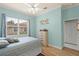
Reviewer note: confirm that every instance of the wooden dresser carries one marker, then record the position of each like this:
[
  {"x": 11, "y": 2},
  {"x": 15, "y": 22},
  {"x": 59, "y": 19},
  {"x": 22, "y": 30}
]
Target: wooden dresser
[{"x": 44, "y": 37}]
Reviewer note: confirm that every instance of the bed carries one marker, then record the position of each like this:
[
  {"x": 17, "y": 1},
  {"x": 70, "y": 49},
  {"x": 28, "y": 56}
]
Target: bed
[{"x": 27, "y": 46}]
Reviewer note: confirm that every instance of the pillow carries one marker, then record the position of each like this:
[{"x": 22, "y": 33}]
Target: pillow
[
  {"x": 3, "y": 43},
  {"x": 16, "y": 40},
  {"x": 10, "y": 40}
]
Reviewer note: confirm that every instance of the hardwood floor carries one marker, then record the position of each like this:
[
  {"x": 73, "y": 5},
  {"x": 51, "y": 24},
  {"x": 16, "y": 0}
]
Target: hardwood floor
[{"x": 51, "y": 51}]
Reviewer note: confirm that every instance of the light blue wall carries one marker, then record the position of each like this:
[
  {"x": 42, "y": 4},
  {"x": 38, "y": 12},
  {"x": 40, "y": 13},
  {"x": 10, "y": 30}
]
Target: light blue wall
[
  {"x": 71, "y": 13},
  {"x": 19, "y": 15},
  {"x": 54, "y": 27}
]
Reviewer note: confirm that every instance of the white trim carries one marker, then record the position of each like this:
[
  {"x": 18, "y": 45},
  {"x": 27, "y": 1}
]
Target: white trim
[
  {"x": 74, "y": 18},
  {"x": 71, "y": 46},
  {"x": 55, "y": 46},
  {"x": 18, "y": 29},
  {"x": 28, "y": 29}
]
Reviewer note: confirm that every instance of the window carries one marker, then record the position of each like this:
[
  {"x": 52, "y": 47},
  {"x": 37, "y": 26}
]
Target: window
[{"x": 17, "y": 27}]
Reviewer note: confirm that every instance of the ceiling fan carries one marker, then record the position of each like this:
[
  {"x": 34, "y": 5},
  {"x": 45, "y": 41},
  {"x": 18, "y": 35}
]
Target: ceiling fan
[{"x": 33, "y": 7}]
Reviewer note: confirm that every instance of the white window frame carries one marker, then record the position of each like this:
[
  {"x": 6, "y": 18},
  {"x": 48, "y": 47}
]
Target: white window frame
[{"x": 18, "y": 34}]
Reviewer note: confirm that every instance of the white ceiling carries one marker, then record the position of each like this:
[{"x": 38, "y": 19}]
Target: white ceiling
[{"x": 21, "y": 7}]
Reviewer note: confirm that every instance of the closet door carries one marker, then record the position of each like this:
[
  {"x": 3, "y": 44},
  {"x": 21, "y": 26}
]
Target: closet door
[
  {"x": 73, "y": 32},
  {"x": 70, "y": 32}
]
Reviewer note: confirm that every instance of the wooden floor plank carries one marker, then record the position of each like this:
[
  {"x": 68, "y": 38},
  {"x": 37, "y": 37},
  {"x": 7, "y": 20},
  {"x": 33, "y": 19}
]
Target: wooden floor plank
[{"x": 51, "y": 51}]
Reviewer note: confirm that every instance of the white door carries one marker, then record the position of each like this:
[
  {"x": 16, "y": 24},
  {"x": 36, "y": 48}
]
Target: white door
[{"x": 70, "y": 34}]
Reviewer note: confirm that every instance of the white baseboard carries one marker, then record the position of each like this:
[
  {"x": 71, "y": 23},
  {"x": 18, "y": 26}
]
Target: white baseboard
[
  {"x": 71, "y": 46},
  {"x": 55, "y": 46}
]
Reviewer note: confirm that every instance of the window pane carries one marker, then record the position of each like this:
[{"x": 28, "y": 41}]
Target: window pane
[
  {"x": 22, "y": 30},
  {"x": 23, "y": 23},
  {"x": 22, "y": 27},
  {"x": 12, "y": 30},
  {"x": 12, "y": 21},
  {"x": 12, "y": 26}
]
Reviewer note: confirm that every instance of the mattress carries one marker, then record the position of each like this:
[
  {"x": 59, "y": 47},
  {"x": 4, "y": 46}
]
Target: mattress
[{"x": 25, "y": 46}]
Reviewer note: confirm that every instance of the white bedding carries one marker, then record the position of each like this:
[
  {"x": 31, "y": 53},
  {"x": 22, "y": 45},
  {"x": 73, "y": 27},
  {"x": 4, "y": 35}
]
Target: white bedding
[
  {"x": 22, "y": 40},
  {"x": 27, "y": 46}
]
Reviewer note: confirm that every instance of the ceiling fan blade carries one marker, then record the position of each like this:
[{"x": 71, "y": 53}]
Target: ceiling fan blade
[
  {"x": 28, "y": 5},
  {"x": 32, "y": 10},
  {"x": 37, "y": 10},
  {"x": 32, "y": 5},
  {"x": 36, "y": 5}
]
